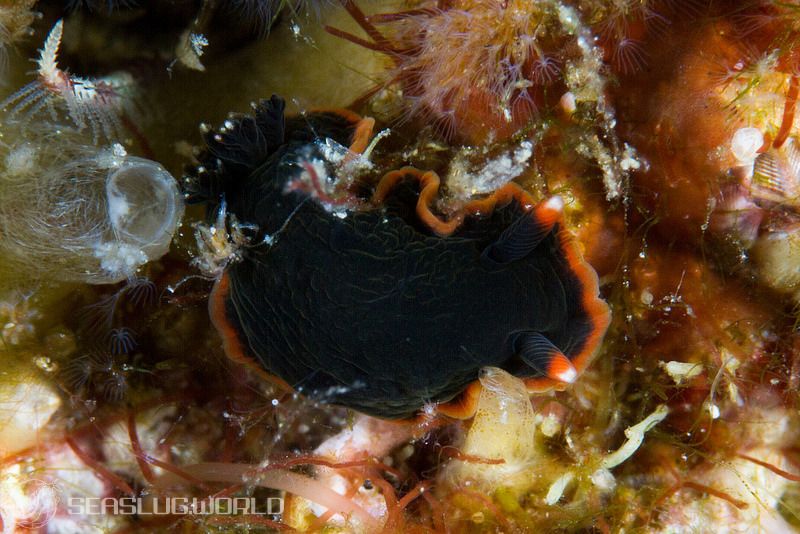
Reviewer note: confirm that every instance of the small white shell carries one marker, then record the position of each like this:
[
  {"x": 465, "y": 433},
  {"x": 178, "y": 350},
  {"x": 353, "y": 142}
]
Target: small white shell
[{"x": 745, "y": 144}]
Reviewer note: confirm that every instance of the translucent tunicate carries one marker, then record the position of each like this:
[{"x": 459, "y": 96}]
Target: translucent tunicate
[
  {"x": 73, "y": 212},
  {"x": 502, "y": 433}
]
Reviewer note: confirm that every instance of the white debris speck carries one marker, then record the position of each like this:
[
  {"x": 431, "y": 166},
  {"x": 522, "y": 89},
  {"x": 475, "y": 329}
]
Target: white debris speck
[
  {"x": 713, "y": 410},
  {"x": 465, "y": 181},
  {"x": 630, "y": 161},
  {"x": 550, "y": 425},
  {"x": 111, "y": 157},
  {"x": 21, "y": 160},
  {"x": 119, "y": 150},
  {"x": 603, "y": 479},
  {"x": 557, "y": 488},
  {"x": 567, "y": 103},
  {"x": 587, "y": 84},
  {"x": 681, "y": 371},
  {"x": 331, "y": 150},
  {"x": 198, "y": 42},
  {"x": 646, "y": 297},
  {"x": 119, "y": 258},
  {"x": 190, "y": 48},
  {"x": 568, "y": 18}
]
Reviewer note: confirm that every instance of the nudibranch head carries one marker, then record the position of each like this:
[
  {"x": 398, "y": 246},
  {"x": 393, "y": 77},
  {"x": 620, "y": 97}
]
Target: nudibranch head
[{"x": 375, "y": 301}]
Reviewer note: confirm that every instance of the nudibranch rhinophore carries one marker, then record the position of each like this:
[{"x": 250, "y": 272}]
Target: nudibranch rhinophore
[{"x": 377, "y": 302}]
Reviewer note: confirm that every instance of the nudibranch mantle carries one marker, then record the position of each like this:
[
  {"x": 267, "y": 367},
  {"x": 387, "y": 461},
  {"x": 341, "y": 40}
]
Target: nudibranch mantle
[{"x": 390, "y": 307}]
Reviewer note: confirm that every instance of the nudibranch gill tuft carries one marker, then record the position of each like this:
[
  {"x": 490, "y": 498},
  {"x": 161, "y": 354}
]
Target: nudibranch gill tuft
[{"x": 377, "y": 302}]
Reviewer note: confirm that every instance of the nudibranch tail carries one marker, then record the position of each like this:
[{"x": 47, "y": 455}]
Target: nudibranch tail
[{"x": 540, "y": 353}]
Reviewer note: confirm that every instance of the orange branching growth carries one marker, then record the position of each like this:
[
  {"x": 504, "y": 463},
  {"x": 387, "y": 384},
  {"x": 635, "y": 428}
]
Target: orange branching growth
[
  {"x": 452, "y": 452},
  {"x": 702, "y": 489},
  {"x": 100, "y": 469},
  {"x": 136, "y": 445},
  {"x": 438, "y": 517},
  {"x": 788, "y": 112},
  {"x": 715, "y": 492},
  {"x": 780, "y": 472},
  {"x": 394, "y": 521}
]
